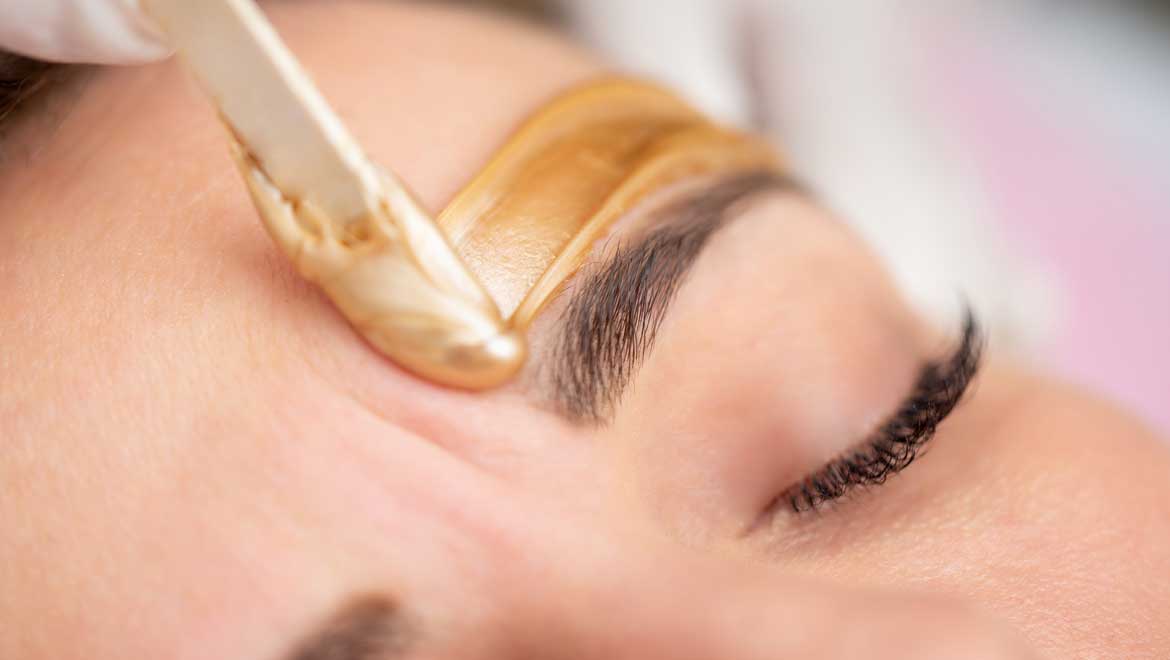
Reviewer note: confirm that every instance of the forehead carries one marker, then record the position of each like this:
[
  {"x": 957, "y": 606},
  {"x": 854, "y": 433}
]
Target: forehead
[
  {"x": 429, "y": 91},
  {"x": 139, "y": 158}
]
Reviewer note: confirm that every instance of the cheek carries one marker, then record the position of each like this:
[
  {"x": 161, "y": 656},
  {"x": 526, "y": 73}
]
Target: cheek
[
  {"x": 765, "y": 368},
  {"x": 1047, "y": 509}
]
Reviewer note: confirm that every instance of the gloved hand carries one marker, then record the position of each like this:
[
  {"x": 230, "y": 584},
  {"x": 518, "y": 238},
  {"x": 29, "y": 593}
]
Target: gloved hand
[{"x": 90, "y": 31}]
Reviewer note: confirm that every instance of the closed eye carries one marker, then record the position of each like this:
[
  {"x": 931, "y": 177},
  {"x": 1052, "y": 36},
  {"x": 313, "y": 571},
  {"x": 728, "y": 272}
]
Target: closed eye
[{"x": 894, "y": 445}]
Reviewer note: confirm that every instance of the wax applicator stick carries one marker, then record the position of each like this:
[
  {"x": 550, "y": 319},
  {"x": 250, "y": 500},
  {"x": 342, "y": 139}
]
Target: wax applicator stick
[{"x": 349, "y": 226}]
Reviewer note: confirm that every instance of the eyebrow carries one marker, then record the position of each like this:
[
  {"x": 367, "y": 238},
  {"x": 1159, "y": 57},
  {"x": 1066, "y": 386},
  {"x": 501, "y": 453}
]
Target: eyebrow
[
  {"x": 617, "y": 305},
  {"x": 368, "y": 628}
]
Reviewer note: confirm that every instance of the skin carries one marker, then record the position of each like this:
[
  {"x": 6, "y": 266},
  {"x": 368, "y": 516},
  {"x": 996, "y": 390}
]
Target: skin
[{"x": 202, "y": 460}]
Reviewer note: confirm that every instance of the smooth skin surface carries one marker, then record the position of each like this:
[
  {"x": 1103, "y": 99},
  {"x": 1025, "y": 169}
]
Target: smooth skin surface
[{"x": 200, "y": 459}]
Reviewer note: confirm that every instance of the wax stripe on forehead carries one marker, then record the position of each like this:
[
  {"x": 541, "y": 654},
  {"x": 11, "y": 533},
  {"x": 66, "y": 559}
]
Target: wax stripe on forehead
[{"x": 530, "y": 218}]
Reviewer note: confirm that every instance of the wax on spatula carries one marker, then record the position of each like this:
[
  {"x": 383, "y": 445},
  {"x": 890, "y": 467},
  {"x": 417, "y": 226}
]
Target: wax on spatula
[
  {"x": 349, "y": 226},
  {"x": 449, "y": 299}
]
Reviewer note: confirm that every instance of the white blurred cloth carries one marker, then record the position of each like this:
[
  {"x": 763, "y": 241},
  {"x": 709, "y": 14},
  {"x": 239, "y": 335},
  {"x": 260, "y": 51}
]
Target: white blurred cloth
[
  {"x": 828, "y": 81},
  {"x": 1013, "y": 152},
  {"x": 90, "y": 31}
]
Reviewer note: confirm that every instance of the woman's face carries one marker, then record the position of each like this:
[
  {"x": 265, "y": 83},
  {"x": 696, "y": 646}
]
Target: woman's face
[{"x": 201, "y": 459}]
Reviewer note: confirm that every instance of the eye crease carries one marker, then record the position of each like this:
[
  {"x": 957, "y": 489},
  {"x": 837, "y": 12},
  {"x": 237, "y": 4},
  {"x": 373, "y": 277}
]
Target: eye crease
[{"x": 894, "y": 445}]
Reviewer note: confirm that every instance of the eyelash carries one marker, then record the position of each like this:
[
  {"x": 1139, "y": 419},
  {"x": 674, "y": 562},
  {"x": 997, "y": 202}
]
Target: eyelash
[{"x": 894, "y": 446}]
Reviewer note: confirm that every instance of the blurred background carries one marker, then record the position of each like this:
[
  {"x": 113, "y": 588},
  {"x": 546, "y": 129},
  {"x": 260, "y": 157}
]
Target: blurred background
[{"x": 1015, "y": 153}]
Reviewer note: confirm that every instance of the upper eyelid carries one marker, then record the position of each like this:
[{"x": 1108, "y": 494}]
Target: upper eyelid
[{"x": 940, "y": 388}]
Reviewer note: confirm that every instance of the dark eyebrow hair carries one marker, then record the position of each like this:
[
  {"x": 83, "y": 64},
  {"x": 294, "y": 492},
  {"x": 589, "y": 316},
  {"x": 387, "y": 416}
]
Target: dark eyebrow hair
[
  {"x": 368, "y": 628},
  {"x": 617, "y": 305}
]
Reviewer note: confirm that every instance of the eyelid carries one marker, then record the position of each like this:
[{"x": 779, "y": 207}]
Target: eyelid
[{"x": 894, "y": 445}]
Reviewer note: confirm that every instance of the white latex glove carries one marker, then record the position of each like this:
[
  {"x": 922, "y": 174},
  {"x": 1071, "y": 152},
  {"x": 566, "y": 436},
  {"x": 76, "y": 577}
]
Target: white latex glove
[{"x": 91, "y": 31}]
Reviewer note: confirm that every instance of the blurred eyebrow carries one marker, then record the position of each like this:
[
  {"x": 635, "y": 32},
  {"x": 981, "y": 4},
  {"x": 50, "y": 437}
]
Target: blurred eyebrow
[
  {"x": 617, "y": 306},
  {"x": 369, "y": 628}
]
